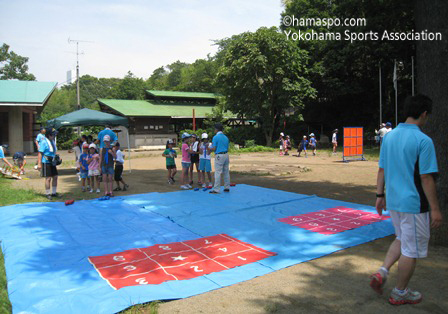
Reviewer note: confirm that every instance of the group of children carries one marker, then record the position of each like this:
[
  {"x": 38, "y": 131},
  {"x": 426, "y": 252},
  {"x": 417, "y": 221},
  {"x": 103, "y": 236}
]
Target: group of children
[
  {"x": 95, "y": 165},
  {"x": 285, "y": 145},
  {"x": 195, "y": 153}
]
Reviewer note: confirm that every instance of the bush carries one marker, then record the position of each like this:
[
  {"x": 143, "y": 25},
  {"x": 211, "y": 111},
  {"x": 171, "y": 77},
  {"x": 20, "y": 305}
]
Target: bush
[{"x": 250, "y": 143}]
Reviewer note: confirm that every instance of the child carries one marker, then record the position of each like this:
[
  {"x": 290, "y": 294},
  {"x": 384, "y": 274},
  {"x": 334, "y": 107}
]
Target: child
[
  {"x": 194, "y": 157},
  {"x": 119, "y": 161},
  {"x": 287, "y": 144},
  {"x": 205, "y": 163},
  {"x": 77, "y": 151},
  {"x": 302, "y": 146},
  {"x": 170, "y": 154},
  {"x": 93, "y": 160},
  {"x": 313, "y": 143},
  {"x": 84, "y": 168},
  {"x": 107, "y": 156},
  {"x": 19, "y": 159},
  {"x": 334, "y": 140},
  {"x": 186, "y": 161},
  {"x": 281, "y": 141}
]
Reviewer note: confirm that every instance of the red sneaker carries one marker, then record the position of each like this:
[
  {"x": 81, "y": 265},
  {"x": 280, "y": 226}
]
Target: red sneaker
[{"x": 377, "y": 282}]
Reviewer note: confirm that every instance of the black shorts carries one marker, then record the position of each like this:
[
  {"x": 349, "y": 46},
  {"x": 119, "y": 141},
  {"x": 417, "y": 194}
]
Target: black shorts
[
  {"x": 48, "y": 170},
  {"x": 171, "y": 167},
  {"x": 195, "y": 159},
  {"x": 118, "y": 172}
]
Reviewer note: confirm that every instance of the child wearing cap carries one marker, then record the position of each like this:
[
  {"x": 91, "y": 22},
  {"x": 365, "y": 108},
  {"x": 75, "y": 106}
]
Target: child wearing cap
[
  {"x": 313, "y": 143},
  {"x": 186, "y": 161},
  {"x": 194, "y": 157},
  {"x": 281, "y": 141},
  {"x": 205, "y": 162},
  {"x": 84, "y": 168},
  {"x": 302, "y": 146},
  {"x": 287, "y": 145},
  {"x": 170, "y": 154},
  {"x": 118, "y": 174},
  {"x": 93, "y": 160},
  {"x": 107, "y": 156}
]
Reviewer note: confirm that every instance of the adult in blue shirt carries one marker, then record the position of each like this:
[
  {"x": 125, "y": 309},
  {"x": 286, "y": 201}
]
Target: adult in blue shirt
[
  {"x": 2, "y": 155},
  {"x": 407, "y": 168},
  {"x": 47, "y": 152},
  {"x": 220, "y": 145},
  {"x": 103, "y": 133}
]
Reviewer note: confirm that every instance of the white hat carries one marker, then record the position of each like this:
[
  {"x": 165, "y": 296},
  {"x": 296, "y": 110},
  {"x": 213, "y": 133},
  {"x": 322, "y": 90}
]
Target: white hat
[
  {"x": 106, "y": 138},
  {"x": 312, "y": 134},
  {"x": 282, "y": 134},
  {"x": 204, "y": 135},
  {"x": 92, "y": 146},
  {"x": 304, "y": 136},
  {"x": 185, "y": 135}
]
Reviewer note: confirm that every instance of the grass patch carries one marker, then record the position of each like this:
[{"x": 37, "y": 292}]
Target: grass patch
[
  {"x": 252, "y": 173},
  {"x": 5, "y": 305},
  {"x": 253, "y": 149},
  {"x": 147, "y": 308},
  {"x": 10, "y": 195}
]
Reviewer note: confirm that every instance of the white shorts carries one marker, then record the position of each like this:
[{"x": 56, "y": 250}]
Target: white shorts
[
  {"x": 413, "y": 232},
  {"x": 93, "y": 173}
]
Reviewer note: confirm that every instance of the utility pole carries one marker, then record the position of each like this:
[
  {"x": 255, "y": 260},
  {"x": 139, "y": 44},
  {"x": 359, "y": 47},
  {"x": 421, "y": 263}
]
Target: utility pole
[{"x": 78, "y": 100}]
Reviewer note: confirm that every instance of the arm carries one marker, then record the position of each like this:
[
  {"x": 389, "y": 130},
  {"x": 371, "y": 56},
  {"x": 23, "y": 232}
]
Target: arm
[
  {"x": 429, "y": 187},
  {"x": 101, "y": 158},
  {"x": 23, "y": 165},
  {"x": 39, "y": 160},
  {"x": 380, "y": 201},
  {"x": 7, "y": 162}
]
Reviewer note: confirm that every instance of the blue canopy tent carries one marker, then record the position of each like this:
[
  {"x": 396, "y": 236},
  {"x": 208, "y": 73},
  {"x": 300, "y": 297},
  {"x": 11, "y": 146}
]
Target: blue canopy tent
[{"x": 89, "y": 117}]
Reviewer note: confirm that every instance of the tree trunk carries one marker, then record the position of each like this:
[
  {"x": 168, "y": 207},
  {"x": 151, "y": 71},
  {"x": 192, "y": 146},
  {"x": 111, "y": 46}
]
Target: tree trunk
[{"x": 432, "y": 80}]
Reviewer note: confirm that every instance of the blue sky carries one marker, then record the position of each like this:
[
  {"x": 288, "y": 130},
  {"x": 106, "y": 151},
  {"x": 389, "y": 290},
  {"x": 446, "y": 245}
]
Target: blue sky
[{"x": 131, "y": 35}]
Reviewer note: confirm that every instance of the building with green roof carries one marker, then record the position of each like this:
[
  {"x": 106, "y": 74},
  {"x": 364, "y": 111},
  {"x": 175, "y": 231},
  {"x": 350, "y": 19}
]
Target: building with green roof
[
  {"x": 20, "y": 102},
  {"x": 161, "y": 115}
]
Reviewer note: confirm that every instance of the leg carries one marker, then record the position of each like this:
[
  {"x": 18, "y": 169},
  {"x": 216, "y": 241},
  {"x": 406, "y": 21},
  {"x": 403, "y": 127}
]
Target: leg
[
  {"x": 218, "y": 170},
  {"x": 393, "y": 254},
  {"x": 105, "y": 183},
  {"x": 226, "y": 173},
  {"x": 406, "y": 267},
  {"x": 173, "y": 172},
  {"x": 54, "y": 185},
  {"x": 47, "y": 185}
]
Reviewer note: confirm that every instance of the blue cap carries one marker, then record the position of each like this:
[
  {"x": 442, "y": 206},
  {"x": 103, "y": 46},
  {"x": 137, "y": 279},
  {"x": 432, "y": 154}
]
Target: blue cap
[
  {"x": 388, "y": 124},
  {"x": 185, "y": 135}
]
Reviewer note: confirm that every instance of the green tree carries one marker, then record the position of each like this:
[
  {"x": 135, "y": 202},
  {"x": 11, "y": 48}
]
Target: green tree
[
  {"x": 130, "y": 87},
  {"x": 158, "y": 79},
  {"x": 13, "y": 66},
  {"x": 263, "y": 74},
  {"x": 175, "y": 74},
  {"x": 199, "y": 76}
]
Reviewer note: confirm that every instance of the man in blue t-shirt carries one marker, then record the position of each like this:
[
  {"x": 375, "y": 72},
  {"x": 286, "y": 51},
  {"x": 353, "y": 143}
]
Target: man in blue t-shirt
[
  {"x": 107, "y": 131},
  {"x": 407, "y": 168},
  {"x": 220, "y": 145}
]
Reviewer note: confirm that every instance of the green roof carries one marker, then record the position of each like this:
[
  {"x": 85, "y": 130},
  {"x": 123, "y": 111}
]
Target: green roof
[
  {"x": 144, "y": 108},
  {"x": 173, "y": 94},
  {"x": 26, "y": 92}
]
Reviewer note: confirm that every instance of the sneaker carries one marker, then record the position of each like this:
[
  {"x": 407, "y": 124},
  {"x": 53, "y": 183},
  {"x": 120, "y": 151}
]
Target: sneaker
[
  {"x": 203, "y": 185},
  {"x": 126, "y": 187},
  {"x": 83, "y": 189},
  {"x": 48, "y": 196},
  {"x": 188, "y": 186},
  {"x": 226, "y": 190},
  {"x": 172, "y": 178},
  {"x": 170, "y": 182},
  {"x": 408, "y": 297},
  {"x": 55, "y": 195},
  {"x": 213, "y": 192},
  {"x": 91, "y": 191},
  {"x": 377, "y": 282},
  {"x": 184, "y": 187},
  {"x": 98, "y": 191}
]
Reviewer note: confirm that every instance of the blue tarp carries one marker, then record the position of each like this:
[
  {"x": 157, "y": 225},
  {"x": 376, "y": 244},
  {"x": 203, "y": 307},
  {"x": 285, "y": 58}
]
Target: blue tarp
[{"x": 46, "y": 245}]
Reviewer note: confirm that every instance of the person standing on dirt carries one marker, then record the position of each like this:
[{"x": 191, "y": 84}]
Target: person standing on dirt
[
  {"x": 407, "y": 168},
  {"x": 220, "y": 145},
  {"x": 334, "y": 140},
  {"x": 47, "y": 163}
]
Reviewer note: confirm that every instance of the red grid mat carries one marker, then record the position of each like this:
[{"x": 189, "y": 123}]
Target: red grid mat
[
  {"x": 176, "y": 261},
  {"x": 333, "y": 220}
]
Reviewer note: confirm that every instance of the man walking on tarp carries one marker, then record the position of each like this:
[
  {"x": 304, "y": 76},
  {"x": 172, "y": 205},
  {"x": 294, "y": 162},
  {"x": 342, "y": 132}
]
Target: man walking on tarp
[
  {"x": 407, "y": 168},
  {"x": 220, "y": 145}
]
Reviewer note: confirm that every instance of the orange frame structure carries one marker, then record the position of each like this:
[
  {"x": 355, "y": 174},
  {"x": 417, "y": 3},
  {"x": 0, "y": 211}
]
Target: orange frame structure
[{"x": 353, "y": 144}]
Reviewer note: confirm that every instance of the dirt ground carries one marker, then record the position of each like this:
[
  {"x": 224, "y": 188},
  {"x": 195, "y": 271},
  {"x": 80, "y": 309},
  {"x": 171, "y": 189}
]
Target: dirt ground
[{"x": 337, "y": 283}]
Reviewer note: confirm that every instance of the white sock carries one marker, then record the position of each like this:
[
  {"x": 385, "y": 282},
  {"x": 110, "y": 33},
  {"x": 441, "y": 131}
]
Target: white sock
[
  {"x": 47, "y": 191},
  {"x": 384, "y": 271},
  {"x": 53, "y": 188}
]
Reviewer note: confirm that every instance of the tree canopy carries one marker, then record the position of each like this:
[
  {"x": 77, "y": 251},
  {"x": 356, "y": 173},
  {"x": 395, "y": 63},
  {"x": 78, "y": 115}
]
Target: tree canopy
[
  {"x": 13, "y": 66},
  {"x": 262, "y": 75}
]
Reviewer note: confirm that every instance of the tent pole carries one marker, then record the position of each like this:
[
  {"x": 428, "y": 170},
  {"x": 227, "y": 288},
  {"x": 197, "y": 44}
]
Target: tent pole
[{"x": 129, "y": 152}]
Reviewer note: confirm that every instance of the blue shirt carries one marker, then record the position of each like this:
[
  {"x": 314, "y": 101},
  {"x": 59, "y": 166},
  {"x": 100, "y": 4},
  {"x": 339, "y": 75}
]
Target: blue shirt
[
  {"x": 83, "y": 161},
  {"x": 407, "y": 153},
  {"x": 44, "y": 148},
  {"x": 2, "y": 154},
  {"x": 39, "y": 138},
  {"x": 221, "y": 143},
  {"x": 313, "y": 141},
  {"x": 113, "y": 136}
]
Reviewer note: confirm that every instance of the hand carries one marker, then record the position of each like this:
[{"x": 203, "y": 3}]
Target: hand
[
  {"x": 39, "y": 166},
  {"x": 380, "y": 205},
  {"x": 436, "y": 218}
]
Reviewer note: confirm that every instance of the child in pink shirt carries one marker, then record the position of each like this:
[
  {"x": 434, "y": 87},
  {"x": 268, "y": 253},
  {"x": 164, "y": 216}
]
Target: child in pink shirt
[
  {"x": 93, "y": 160},
  {"x": 186, "y": 160}
]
